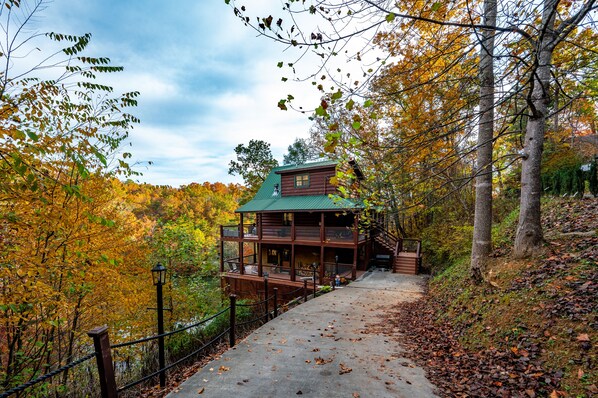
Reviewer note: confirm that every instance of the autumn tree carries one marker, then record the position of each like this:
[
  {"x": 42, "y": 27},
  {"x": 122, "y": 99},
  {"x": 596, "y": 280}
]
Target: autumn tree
[
  {"x": 64, "y": 230},
  {"x": 482, "y": 227},
  {"x": 527, "y": 33}
]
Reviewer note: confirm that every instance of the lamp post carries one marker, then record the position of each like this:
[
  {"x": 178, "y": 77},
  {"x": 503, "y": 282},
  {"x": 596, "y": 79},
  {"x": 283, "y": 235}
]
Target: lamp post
[{"x": 159, "y": 278}]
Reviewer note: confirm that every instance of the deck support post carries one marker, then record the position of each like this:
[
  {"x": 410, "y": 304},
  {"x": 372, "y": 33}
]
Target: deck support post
[
  {"x": 259, "y": 260},
  {"x": 321, "y": 265},
  {"x": 275, "y": 302},
  {"x": 354, "y": 267},
  {"x": 293, "y": 276}
]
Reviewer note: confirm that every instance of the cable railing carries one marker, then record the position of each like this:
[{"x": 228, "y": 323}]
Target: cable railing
[
  {"x": 241, "y": 316},
  {"x": 47, "y": 376}
]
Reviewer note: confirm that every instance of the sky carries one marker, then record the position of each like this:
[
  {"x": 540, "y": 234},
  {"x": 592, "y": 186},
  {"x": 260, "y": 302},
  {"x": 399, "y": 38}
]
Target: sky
[{"x": 207, "y": 82}]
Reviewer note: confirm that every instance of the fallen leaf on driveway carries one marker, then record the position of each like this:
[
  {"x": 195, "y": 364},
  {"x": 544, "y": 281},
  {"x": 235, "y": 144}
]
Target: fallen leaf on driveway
[
  {"x": 322, "y": 361},
  {"x": 344, "y": 369}
]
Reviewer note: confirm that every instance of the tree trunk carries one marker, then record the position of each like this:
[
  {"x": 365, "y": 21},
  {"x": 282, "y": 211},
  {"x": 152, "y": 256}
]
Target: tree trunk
[
  {"x": 482, "y": 226},
  {"x": 529, "y": 237}
]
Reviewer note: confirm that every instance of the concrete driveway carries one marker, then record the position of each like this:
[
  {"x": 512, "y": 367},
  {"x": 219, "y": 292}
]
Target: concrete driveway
[{"x": 326, "y": 347}]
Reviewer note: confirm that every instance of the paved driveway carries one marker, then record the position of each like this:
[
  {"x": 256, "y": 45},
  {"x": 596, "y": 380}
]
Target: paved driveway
[{"x": 326, "y": 347}]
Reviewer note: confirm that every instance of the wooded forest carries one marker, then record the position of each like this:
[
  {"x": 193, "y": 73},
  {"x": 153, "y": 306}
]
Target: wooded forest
[{"x": 459, "y": 113}]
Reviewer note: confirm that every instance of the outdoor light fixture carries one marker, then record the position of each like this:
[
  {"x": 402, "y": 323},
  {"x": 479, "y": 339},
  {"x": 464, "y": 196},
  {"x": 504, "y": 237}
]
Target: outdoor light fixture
[
  {"x": 159, "y": 278},
  {"x": 159, "y": 274},
  {"x": 276, "y": 191}
]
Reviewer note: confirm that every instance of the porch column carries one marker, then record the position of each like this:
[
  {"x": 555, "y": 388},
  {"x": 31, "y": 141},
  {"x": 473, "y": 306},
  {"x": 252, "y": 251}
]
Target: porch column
[
  {"x": 241, "y": 226},
  {"x": 293, "y": 262},
  {"x": 322, "y": 232},
  {"x": 354, "y": 269},
  {"x": 355, "y": 229},
  {"x": 259, "y": 259},
  {"x": 321, "y": 264},
  {"x": 241, "y": 265},
  {"x": 221, "y": 249},
  {"x": 293, "y": 228}
]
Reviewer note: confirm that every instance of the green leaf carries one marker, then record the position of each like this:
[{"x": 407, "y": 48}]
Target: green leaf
[
  {"x": 280, "y": 64},
  {"x": 390, "y": 17},
  {"x": 356, "y": 125},
  {"x": 281, "y": 105},
  {"x": 349, "y": 105},
  {"x": 367, "y": 104},
  {"x": 320, "y": 111},
  {"x": 337, "y": 95},
  {"x": 436, "y": 6},
  {"x": 33, "y": 136},
  {"x": 226, "y": 1}
]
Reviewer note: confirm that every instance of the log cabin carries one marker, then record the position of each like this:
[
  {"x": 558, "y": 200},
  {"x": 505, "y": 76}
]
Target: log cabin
[{"x": 296, "y": 228}]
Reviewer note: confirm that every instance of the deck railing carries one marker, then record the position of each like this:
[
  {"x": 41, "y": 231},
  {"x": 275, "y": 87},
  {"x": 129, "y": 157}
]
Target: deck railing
[
  {"x": 276, "y": 232},
  {"x": 303, "y": 233}
]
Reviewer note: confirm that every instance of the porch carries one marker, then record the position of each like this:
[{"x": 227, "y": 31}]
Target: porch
[{"x": 299, "y": 234}]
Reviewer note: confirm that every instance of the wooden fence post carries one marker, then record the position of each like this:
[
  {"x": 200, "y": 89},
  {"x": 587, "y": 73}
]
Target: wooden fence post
[
  {"x": 275, "y": 302},
  {"x": 233, "y": 317},
  {"x": 305, "y": 290},
  {"x": 266, "y": 315},
  {"x": 101, "y": 344}
]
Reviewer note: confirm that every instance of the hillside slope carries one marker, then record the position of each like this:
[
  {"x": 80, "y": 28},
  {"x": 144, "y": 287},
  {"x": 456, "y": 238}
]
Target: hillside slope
[{"x": 531, "y": 331}]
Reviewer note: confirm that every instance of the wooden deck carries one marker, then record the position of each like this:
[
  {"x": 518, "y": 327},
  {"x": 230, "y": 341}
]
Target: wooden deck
[{"x": 280, "y": 279}]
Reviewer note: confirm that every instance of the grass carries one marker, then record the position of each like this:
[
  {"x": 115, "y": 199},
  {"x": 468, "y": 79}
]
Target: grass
[{"x": 522, "y": 306}]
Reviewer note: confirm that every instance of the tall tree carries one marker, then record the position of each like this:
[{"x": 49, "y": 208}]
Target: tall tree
[
  {"x": 548, "y": 35},
  {"x": 253, "y": 163},
  {"x": 482, "y": 226},
  {"x": 299, "y": 152}
]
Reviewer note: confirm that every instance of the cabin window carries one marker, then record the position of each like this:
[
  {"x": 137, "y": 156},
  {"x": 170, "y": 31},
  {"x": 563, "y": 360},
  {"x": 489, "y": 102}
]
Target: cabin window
[
  {"x": 287, "y": 219},
  {"x": 302, "y": 181}
]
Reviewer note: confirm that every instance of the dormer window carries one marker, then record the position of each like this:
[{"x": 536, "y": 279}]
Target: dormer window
[{"x": 302, "y": 181}]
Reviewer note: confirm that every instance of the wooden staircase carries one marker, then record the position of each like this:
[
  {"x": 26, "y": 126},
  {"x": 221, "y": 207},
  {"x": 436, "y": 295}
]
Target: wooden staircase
[{"x": 406, "y": 253}]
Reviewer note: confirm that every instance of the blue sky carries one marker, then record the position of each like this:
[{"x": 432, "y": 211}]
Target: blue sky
[{"x": 207, "y": 82}]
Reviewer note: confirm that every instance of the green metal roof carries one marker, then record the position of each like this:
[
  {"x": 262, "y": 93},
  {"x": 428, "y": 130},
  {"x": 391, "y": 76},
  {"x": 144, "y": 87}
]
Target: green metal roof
[{"x": 264, "y": 201}]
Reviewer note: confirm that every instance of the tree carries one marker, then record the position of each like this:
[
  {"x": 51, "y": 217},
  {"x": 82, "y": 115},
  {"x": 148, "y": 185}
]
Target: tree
[
  {"x": 482, "y": 226},
  {"x": 64, "y": 230},
  {"x": 299, "y": 152},
  {"x": 253, "y": 163},
  {"x": 529, "y": 33},
  {"x": 548, "y": 36}
]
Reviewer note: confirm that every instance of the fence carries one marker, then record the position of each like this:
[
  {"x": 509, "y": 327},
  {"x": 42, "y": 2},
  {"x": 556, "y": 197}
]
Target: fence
[{"x": 260, "y": 310}]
